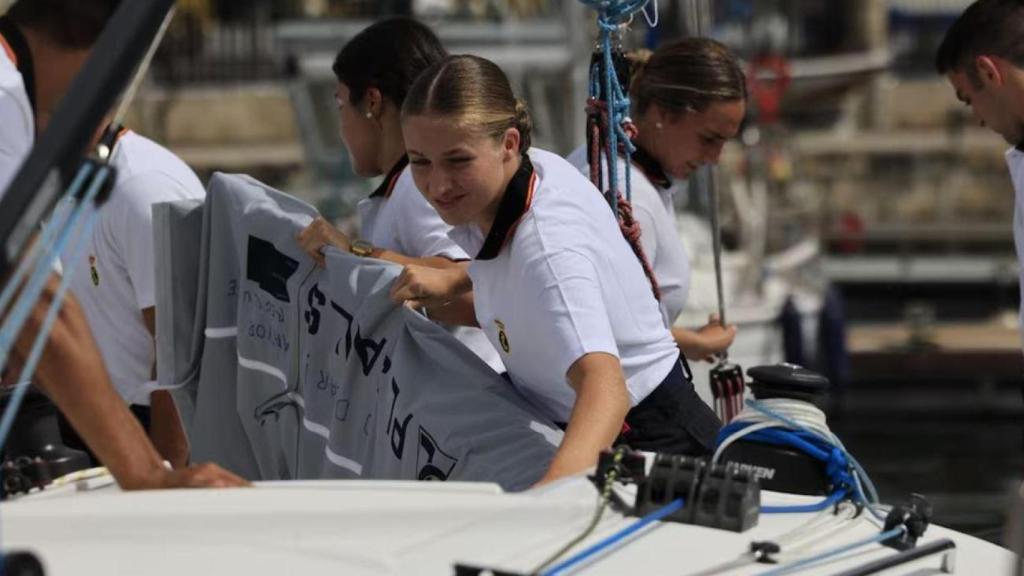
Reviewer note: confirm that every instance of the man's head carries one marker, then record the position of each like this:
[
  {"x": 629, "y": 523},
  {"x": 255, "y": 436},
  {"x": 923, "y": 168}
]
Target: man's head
[
  {"x": 60, "y": 34},
  {"x": 68, "y": 24},
  {"x": 982, "y": 55}
]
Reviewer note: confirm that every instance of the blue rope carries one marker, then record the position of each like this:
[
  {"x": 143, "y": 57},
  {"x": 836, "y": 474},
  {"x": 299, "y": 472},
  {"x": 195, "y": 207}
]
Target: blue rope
[
  {"x": 829, "y": 501},
  {"x": 33, "y": 289},
  {"x": 871, "y": 498},
  {"x": 842, "y": 469},
  {"x": 60, "y": 216},
  {"x": 616, "y": 12},
  {"x": 54, "y": 233},
  {"x": 616, "y": 538},
  {"x": 788, "y": 568},
  {"x": 36, "y": 353},
  {"x": 610, "y": 82},
  {"x": 65, "y": 221},
  {"x": 43, "y": 267},
  {"x": 612, "y": 14},
  {"x": 837, "y": 465}
]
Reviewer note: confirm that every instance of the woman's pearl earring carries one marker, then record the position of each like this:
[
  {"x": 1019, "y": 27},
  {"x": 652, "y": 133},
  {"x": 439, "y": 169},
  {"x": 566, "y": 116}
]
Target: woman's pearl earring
[
  {"x": 369, "y": 115},
  {"x": 658, "y": 125}
]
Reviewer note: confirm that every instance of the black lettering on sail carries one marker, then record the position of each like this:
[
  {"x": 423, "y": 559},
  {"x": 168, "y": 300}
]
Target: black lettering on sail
[{"x": 397, "y": 430}]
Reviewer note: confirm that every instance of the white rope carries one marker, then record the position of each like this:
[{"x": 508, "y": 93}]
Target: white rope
[
  {"x": 821, "y": 520},
  {"x": 799, "y": 539},
  {"x": 652, "y": 22},
  {"x": 805, "y": 414},
  {"x": 810, "y": 541}
]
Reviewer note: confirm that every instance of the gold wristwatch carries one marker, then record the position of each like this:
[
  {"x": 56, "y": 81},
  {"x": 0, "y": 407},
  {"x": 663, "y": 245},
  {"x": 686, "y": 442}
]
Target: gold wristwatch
[{"x": 362, "y": 248}]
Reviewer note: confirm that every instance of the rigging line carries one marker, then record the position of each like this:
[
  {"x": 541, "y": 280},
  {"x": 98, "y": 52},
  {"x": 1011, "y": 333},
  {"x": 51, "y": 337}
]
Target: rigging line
[
  {"x": 861, "y": 478},
  {"x": 716, "y": 239},
  {"x": 23, "y": 383},
  {"x": 617, "y": 537},
  {"x": 828, "y": 554},
  {"x": 594, "y": 522},
  {"x": 827, "y": 521},
  {"x": 41, "y": 256},
  {"x": 825, "y": 504},
  {"x": 653, "y": 23},
  {"x": 612, "y": 16},
  {"x": 140, "y": 74},
  {"x": 32, "y": 361},
  {"x": 602, "y": 503},
  {"x": 33, "y": 289},
  {"x": 764, "y": 418},
  {"x": 824, "y": 520},
  {"x": 803, "y": 547},
  {"x": 702, "y": 24},
  {"x": 46, "y": 239}
]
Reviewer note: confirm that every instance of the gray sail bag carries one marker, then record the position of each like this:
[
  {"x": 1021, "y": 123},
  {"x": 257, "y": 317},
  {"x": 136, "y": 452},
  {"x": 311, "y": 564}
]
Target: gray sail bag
[{"x": 285, "y": 370}]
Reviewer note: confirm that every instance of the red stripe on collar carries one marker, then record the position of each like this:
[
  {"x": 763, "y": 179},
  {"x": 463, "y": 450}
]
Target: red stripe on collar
[
  {"x": 526, "y": 208},
  {"x": 391, "y": 179},
  {"x": 9, "y": 50}
]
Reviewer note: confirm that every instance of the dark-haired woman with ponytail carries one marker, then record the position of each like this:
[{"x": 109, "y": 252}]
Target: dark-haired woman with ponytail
[
  {"x": 688, "y": 99},
  {"x": 557, "y": 289},
  {"x": 375, "y": 70}
]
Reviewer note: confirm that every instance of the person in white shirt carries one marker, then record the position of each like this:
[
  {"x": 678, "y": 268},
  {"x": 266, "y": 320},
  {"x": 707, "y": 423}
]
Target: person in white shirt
[
  {"x": 375, "y": 70},
  {"x": 115, "y": 285},
  {"x": 688, "y": 98},
  {"x": 557, "y": 289},
  {"x": 983, "y": 58},
  {"x": 16, "y": 117},
  {"x": 43, "y": 44}
]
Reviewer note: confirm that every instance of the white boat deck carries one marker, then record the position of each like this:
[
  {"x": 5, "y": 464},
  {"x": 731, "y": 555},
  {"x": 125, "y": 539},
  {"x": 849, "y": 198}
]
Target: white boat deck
[{"x": 357, "y": 528}]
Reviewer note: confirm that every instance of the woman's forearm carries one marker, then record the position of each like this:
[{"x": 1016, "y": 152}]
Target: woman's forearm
[
  {"x": 688, "y": 343},
  {"x": 402, "y": 259},
  {"x": 597, "y": 416}
]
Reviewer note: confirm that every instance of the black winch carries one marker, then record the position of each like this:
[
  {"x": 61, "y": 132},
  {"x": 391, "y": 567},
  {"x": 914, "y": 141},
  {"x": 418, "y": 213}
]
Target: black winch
[{"x": 782, "y": 468}]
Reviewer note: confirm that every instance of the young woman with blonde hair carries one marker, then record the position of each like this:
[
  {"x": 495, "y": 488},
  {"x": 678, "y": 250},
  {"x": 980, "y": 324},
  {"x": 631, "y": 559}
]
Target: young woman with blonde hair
[{"x": 557, "y": 289}]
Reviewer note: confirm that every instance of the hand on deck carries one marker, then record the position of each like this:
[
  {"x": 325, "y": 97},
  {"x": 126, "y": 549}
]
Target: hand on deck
[{"x": 204, "y": 475}]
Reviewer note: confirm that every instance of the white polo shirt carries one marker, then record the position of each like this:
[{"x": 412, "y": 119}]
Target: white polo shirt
[
  {"x": 1015, "y": 161},
  {"x": 17, "y": 122},
  {"x": 554, "y": 280},
  {"x": 654, "y": 210},
  {"x": 397, "y": 217},
  {"x": 114, "y": 282}
]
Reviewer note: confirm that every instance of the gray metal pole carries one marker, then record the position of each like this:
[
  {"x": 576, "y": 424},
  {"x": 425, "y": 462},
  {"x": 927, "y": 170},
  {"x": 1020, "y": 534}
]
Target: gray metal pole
[
  {"x": 701, "y": 20},
  {"x": 716, "y": 237}
]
